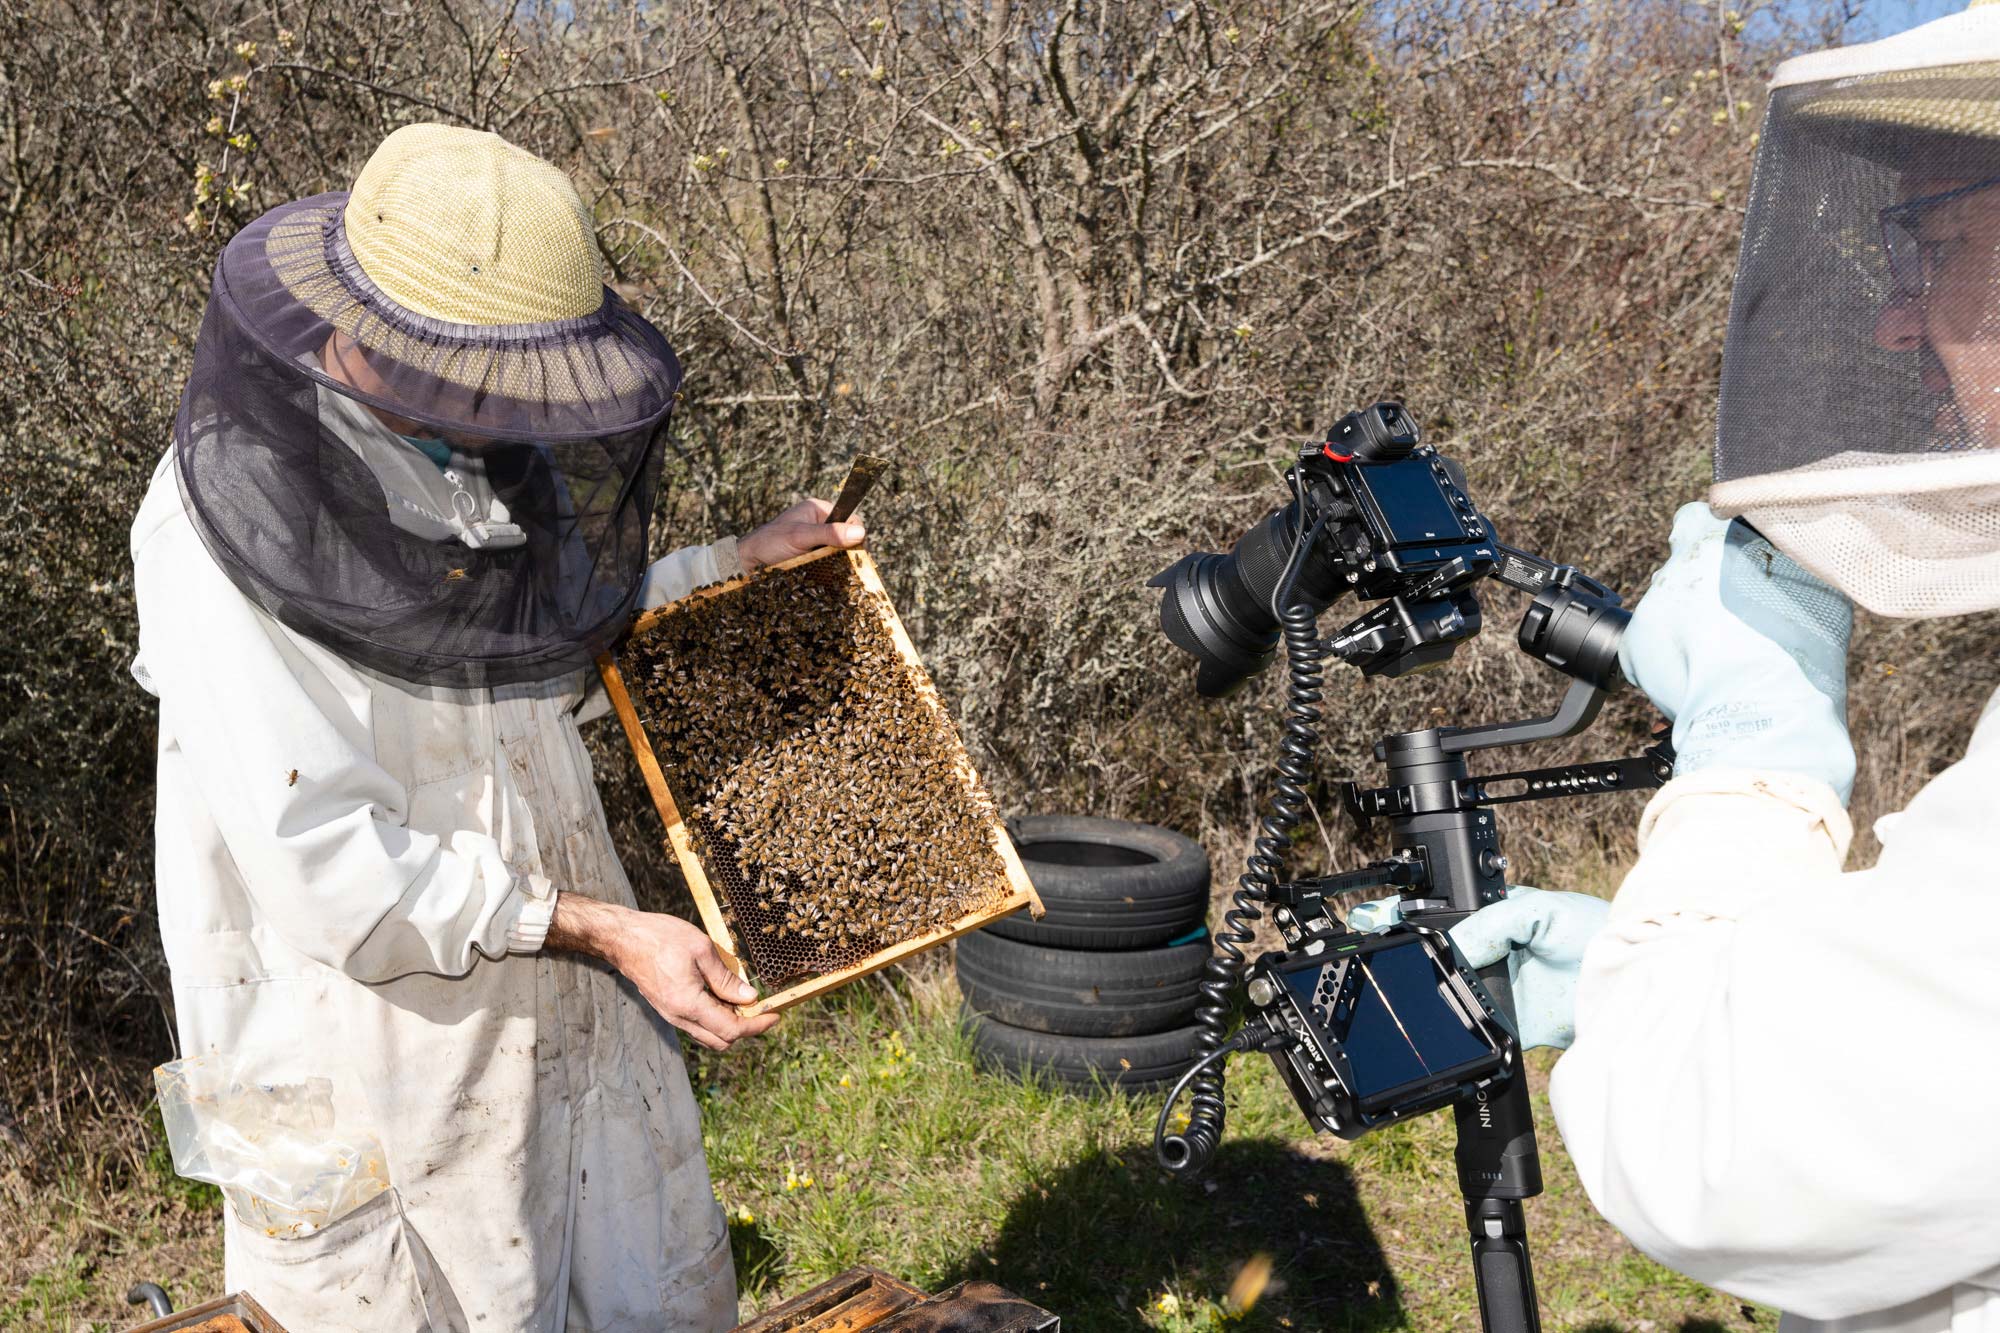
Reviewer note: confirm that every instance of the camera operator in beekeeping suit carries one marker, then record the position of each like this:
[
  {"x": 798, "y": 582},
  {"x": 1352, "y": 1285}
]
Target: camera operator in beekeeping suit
[
  {"x": 405, "y": 508},
  {"x": 1782, "y": 1070}
]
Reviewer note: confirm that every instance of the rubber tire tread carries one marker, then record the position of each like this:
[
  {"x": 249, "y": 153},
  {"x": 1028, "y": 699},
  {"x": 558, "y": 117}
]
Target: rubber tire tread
[
  {"x": 1155, "y": 1060},
  {"x": 1081, "y": 992},
  {"x": 1109, "y": 907}
]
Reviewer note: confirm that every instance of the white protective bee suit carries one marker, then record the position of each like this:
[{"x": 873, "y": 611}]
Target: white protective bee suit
[
  {"x": 1784, "y": 1070},
  {"x": 378, "y": 919},
  {"x": 356, "y": 873}
]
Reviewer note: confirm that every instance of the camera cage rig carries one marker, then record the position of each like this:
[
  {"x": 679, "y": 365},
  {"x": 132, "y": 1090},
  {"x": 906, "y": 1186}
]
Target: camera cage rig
[{"x": 1445, "y": 859}]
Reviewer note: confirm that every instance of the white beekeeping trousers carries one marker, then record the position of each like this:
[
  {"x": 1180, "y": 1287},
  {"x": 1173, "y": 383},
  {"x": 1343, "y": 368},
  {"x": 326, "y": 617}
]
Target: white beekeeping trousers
[
  {"x": 355, "y": 876},
  {"x": 1783, "y": 1074}
]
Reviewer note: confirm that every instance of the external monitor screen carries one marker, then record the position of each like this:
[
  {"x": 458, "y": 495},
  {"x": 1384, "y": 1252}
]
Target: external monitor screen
[{"x": 1386, "y": 1011}]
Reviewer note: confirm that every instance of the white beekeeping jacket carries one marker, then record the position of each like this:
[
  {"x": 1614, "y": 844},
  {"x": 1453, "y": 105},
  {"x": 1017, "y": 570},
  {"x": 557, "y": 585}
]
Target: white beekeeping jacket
[
  {"x": 1784, "y": 1075},
  {"x": 355, "y": 877}
]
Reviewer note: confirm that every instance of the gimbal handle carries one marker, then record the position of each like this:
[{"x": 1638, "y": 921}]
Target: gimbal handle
[{"x": 1578, "y": 709}]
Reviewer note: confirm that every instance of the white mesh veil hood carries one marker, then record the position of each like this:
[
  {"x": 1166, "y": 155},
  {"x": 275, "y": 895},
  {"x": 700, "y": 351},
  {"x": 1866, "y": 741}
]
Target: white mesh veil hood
[{"x": 1859, "y": 426}]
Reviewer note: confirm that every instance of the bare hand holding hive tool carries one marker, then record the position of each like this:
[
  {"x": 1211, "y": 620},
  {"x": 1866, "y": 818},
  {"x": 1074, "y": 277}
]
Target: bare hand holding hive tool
[
  {"x": 814, "y": 788},
  {"x": 861, "y": 476}
]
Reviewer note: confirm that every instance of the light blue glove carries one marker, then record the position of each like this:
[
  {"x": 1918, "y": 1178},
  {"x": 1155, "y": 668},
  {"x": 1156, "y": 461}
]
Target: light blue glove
[
  {"x": 1541, "y": 935},
  {"x": 1746, "y": 652}
]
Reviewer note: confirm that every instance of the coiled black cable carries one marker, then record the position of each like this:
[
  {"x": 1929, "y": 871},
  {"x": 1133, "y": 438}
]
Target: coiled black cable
[{"x": 1189, "y": 1152}]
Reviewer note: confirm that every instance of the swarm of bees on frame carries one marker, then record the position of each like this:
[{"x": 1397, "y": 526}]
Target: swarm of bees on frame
[{"x": 828, "y": 796}]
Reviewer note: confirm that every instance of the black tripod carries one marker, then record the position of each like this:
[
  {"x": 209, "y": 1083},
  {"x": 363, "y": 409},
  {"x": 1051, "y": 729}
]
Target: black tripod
[{"x": 1446, "y": 862}]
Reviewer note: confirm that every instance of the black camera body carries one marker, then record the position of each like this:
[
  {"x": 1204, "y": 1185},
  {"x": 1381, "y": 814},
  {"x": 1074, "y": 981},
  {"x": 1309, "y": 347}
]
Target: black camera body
[
  {"x": 1402, "y": 516},
  {"x": 1377, "y": 513},
  {"x": 1385, "y": 1026}
]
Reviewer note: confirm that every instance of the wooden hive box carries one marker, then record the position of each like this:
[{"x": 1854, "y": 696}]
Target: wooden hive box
[{"x": 737, "y": 899}]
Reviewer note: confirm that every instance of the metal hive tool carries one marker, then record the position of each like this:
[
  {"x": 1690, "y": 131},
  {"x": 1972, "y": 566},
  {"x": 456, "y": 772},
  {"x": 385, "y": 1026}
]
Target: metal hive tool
[{"x": 815, "y": 791}]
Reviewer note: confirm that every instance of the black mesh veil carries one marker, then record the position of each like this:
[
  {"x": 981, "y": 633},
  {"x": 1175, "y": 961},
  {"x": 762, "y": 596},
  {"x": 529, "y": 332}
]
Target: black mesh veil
[
  {"x": 1829, "y": 349},
  {"x": 450, "y": 504}
]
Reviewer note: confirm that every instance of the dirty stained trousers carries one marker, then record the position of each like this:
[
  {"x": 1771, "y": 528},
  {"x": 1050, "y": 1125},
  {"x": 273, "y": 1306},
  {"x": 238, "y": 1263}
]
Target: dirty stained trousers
[{"x": 355, "y": 877}]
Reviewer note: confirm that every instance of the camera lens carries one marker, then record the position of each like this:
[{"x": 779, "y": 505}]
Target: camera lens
[{"x": 1218, "y": 607}]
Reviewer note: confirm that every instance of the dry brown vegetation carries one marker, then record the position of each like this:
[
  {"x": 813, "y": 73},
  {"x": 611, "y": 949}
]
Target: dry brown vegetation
[{"x": 1084, "y": 271}]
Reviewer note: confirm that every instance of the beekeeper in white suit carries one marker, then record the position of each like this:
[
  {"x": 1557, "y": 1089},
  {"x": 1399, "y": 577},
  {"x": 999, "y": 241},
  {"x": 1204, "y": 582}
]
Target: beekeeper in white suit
[
  {"x": 406, "y": 505},
  {"x": 1782, "y": 1071}
]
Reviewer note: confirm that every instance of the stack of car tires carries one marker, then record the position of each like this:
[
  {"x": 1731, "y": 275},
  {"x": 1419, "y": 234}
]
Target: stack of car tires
[{"x": 1103, "y": 989}]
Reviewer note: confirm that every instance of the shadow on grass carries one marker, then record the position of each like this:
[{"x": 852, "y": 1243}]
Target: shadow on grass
[
  {"x": 759, "y": 1262},
  {"x": 1101, "y": 1240}
]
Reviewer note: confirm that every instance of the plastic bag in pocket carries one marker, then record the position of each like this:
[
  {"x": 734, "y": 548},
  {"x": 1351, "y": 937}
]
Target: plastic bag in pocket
[{"x": 282, "y": 1160}]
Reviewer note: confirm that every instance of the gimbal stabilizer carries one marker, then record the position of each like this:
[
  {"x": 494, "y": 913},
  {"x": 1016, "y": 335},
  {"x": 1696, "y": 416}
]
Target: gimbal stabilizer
[{"x": 1364, "y": 1037}]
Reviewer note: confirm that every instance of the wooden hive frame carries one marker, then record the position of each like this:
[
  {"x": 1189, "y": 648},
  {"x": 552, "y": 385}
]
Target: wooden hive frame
[{"x": 681, "y": 841}]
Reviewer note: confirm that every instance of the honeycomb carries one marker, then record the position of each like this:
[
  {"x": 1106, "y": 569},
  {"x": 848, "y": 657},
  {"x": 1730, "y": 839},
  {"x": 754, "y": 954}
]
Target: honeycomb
[{"x": 823, "y": 786}]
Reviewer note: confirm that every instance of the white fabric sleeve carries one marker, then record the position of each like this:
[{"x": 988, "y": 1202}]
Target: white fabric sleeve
[
  {"x": 676, "y": 575},
  {"x": 1780, "y": 1073},
  {"x": 326, "y": 858}
]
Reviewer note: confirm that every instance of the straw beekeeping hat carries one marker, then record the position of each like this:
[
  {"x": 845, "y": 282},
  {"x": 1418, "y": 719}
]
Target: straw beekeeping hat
[
  {"x": 461, "y": 225},
  {"x": 1946, "y": 115},
  {"x": 459, "y": 289},
  {"x": 467, "y": 269}
]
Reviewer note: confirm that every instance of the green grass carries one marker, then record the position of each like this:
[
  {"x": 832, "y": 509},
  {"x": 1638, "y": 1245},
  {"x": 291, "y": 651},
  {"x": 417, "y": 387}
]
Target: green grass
[
  {"x": 859, "y": 1132},
  {"x": 923, "y": 1166}
]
